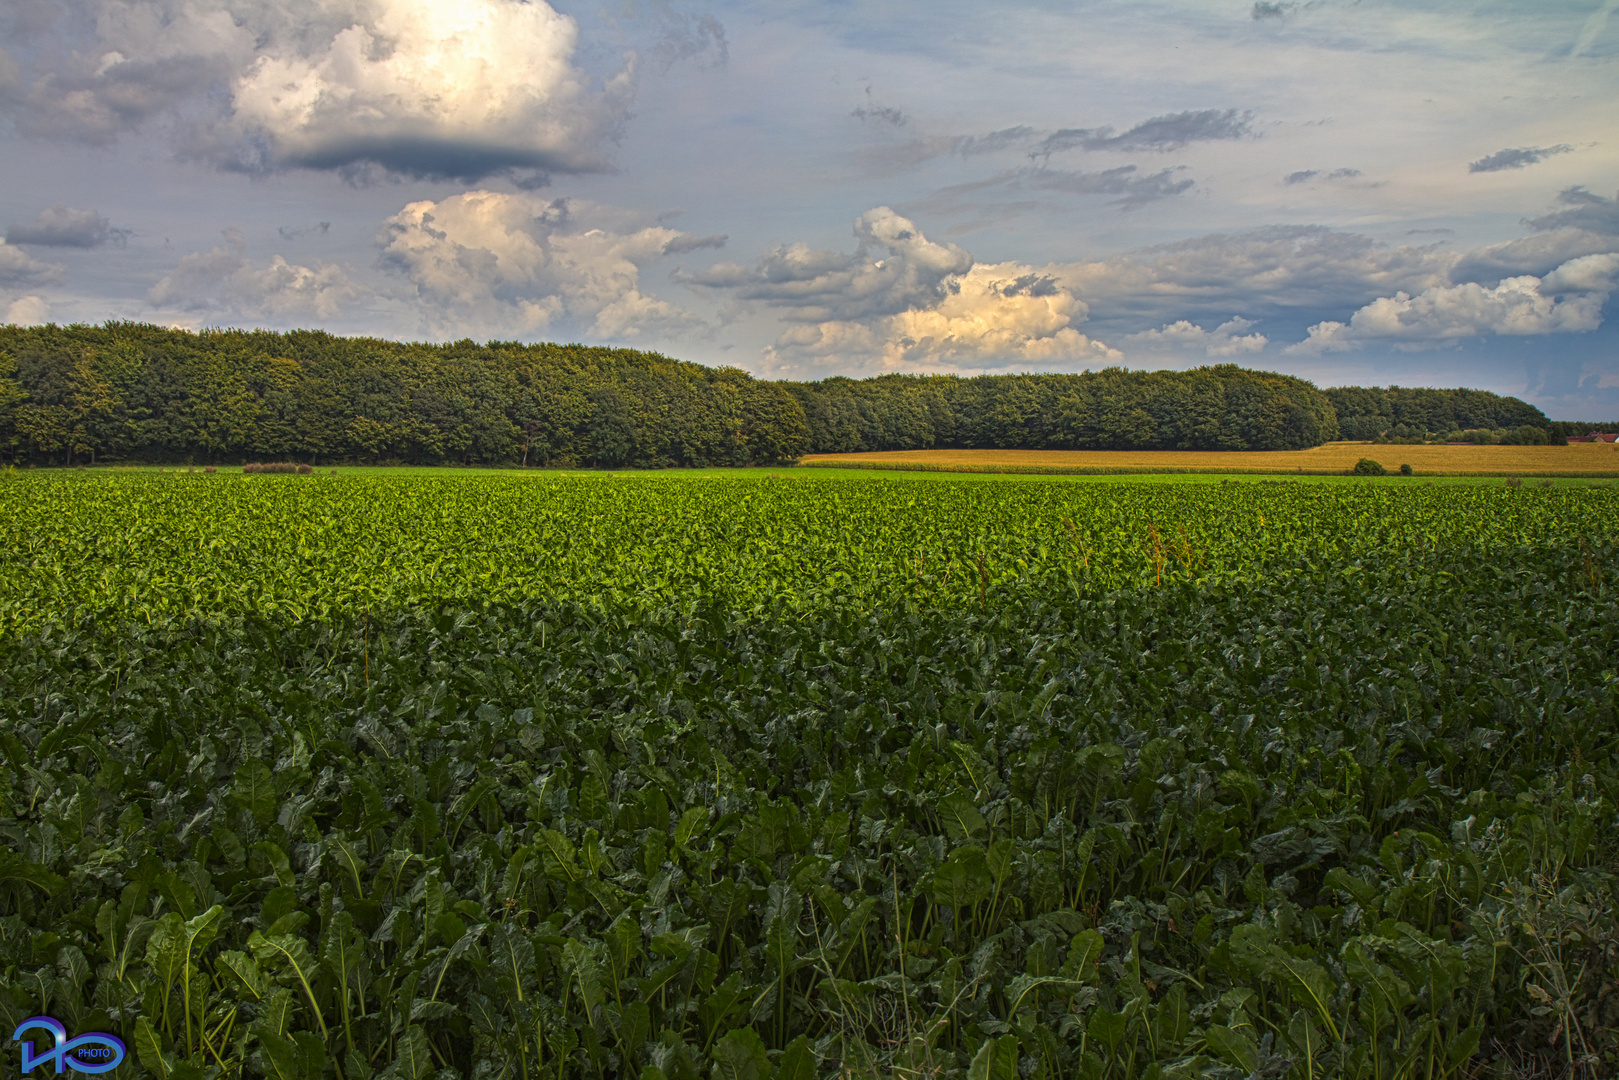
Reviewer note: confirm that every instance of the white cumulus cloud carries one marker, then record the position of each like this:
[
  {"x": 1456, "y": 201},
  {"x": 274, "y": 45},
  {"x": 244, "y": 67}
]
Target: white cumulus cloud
[
  {"x": 902, "y": 302},
  {"x": 27, "y": 311},
  {"x": 1227, "y": 339},
  {"x": 1567, "y": 300},
  {"x": 438, "y": 88},
  {"x": 224, "y": 280},
  {"x": 433, "y": 88},
  {"x": 17, "y": 267},
  {"x": 60, "y": 225},
  {"x": 995, "y": 315},
  {"x": 485, "y": 261},
  {"x": 1587, "y": 274}
]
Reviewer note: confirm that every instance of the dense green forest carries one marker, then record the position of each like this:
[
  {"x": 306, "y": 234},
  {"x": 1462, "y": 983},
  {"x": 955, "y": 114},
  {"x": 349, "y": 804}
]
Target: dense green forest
[
  {"x": 1212, "y": 408},
  {"x": 1568, "y": 428},
  {"x": 124, "y": 392},
  {"x": 1365, "y": 412},
  {"x": 133, "y": 392}
]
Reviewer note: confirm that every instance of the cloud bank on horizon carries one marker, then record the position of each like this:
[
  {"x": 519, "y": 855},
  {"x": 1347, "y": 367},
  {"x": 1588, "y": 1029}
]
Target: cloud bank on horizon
[{"x": 1354, "y": 192}]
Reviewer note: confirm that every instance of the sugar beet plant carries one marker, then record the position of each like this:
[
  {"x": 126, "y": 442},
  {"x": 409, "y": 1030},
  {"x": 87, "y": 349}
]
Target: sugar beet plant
[
  {"x": 767, "y": 781},
  {"x": 152, "y": 549}
]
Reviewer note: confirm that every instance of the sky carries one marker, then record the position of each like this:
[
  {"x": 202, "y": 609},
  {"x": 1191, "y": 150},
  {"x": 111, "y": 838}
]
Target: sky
[{"x": 1366, "y": 193}]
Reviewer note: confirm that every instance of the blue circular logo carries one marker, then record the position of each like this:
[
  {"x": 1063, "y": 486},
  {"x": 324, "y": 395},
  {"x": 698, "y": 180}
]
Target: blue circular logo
[{"x": 92, "y": 1052}]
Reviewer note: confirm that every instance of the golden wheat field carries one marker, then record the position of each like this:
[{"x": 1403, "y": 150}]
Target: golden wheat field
[{"x": 1577, "y": 458}]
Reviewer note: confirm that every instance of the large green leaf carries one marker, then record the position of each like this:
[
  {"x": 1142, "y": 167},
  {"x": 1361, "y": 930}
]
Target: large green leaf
[
  {"x": 963, "y": 879},
  {"x": 149, "y": 1049},
  {"x": 255, "y": 791},
  {"x": 959, "y": 816},
  {"x": 14, "y": 868},
  {"x": 996, "y": 1059},
  {"x": 740, "y": 1055},
  {"x": 412, "y": 1059},
  {"x": 797, "y": 1061},
  {"x": 166, "y": 950},
  {"x": 280, "y": 1054},
  {"x": 1233, "y": 1047}
]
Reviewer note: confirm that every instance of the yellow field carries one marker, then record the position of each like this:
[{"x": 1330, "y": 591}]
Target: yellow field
[{"x": 1333, "y": 457}]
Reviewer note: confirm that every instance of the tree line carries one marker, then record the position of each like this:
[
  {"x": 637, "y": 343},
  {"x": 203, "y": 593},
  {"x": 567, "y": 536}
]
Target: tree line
[
  {"x": 1210, "y": 408},
  {"x": 129, "y": 392},
  {"x": 1568, "y": 428},
  {"x": 1367, "y": 412}
]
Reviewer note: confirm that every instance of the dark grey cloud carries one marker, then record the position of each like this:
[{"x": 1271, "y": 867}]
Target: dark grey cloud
[
  {"x": 881, "y": 113},
  {"x": 1032, "y": 285},
  {"x": 298, "y": 232},
  {"x": 1517, "y": 158},
  {"x": 1134, "y": 189},
  {"x": 913, "y": 152},
  {"x": 1281, "y": 9},
  {"x": 1581, "y": 210},
  {"x": 1281, "y": 271},
  {"x": 1161, "y": 133},
  {"x": 1538, "y": 255},
  {"x": 1015, "y": 193},
  {"x": 1304, "y": 176},
  {"x": 993, "y": 142},
  {"x": 460, "y": 158},
  {"x": 686, "y": 242},
  {"x": 62, "y": 226}
]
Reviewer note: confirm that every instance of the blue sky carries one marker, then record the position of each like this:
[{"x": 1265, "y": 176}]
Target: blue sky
[{"x": 1357, "y": 192}]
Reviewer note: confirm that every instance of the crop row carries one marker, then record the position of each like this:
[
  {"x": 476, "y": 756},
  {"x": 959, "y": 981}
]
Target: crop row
[
  {"x": 150, "y": 548},
  {"x": 1343, "y": 808}
]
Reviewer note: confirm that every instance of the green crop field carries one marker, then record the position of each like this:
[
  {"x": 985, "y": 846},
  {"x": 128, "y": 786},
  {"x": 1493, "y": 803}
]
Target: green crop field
[{"x": 725, "y": 778}]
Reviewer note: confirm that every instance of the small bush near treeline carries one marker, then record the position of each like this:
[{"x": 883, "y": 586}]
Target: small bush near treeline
[
  {"x": 1406, "y": 470},
  {"x": 278, "y": 467},
  {"x": 1368, "y": 467}
]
